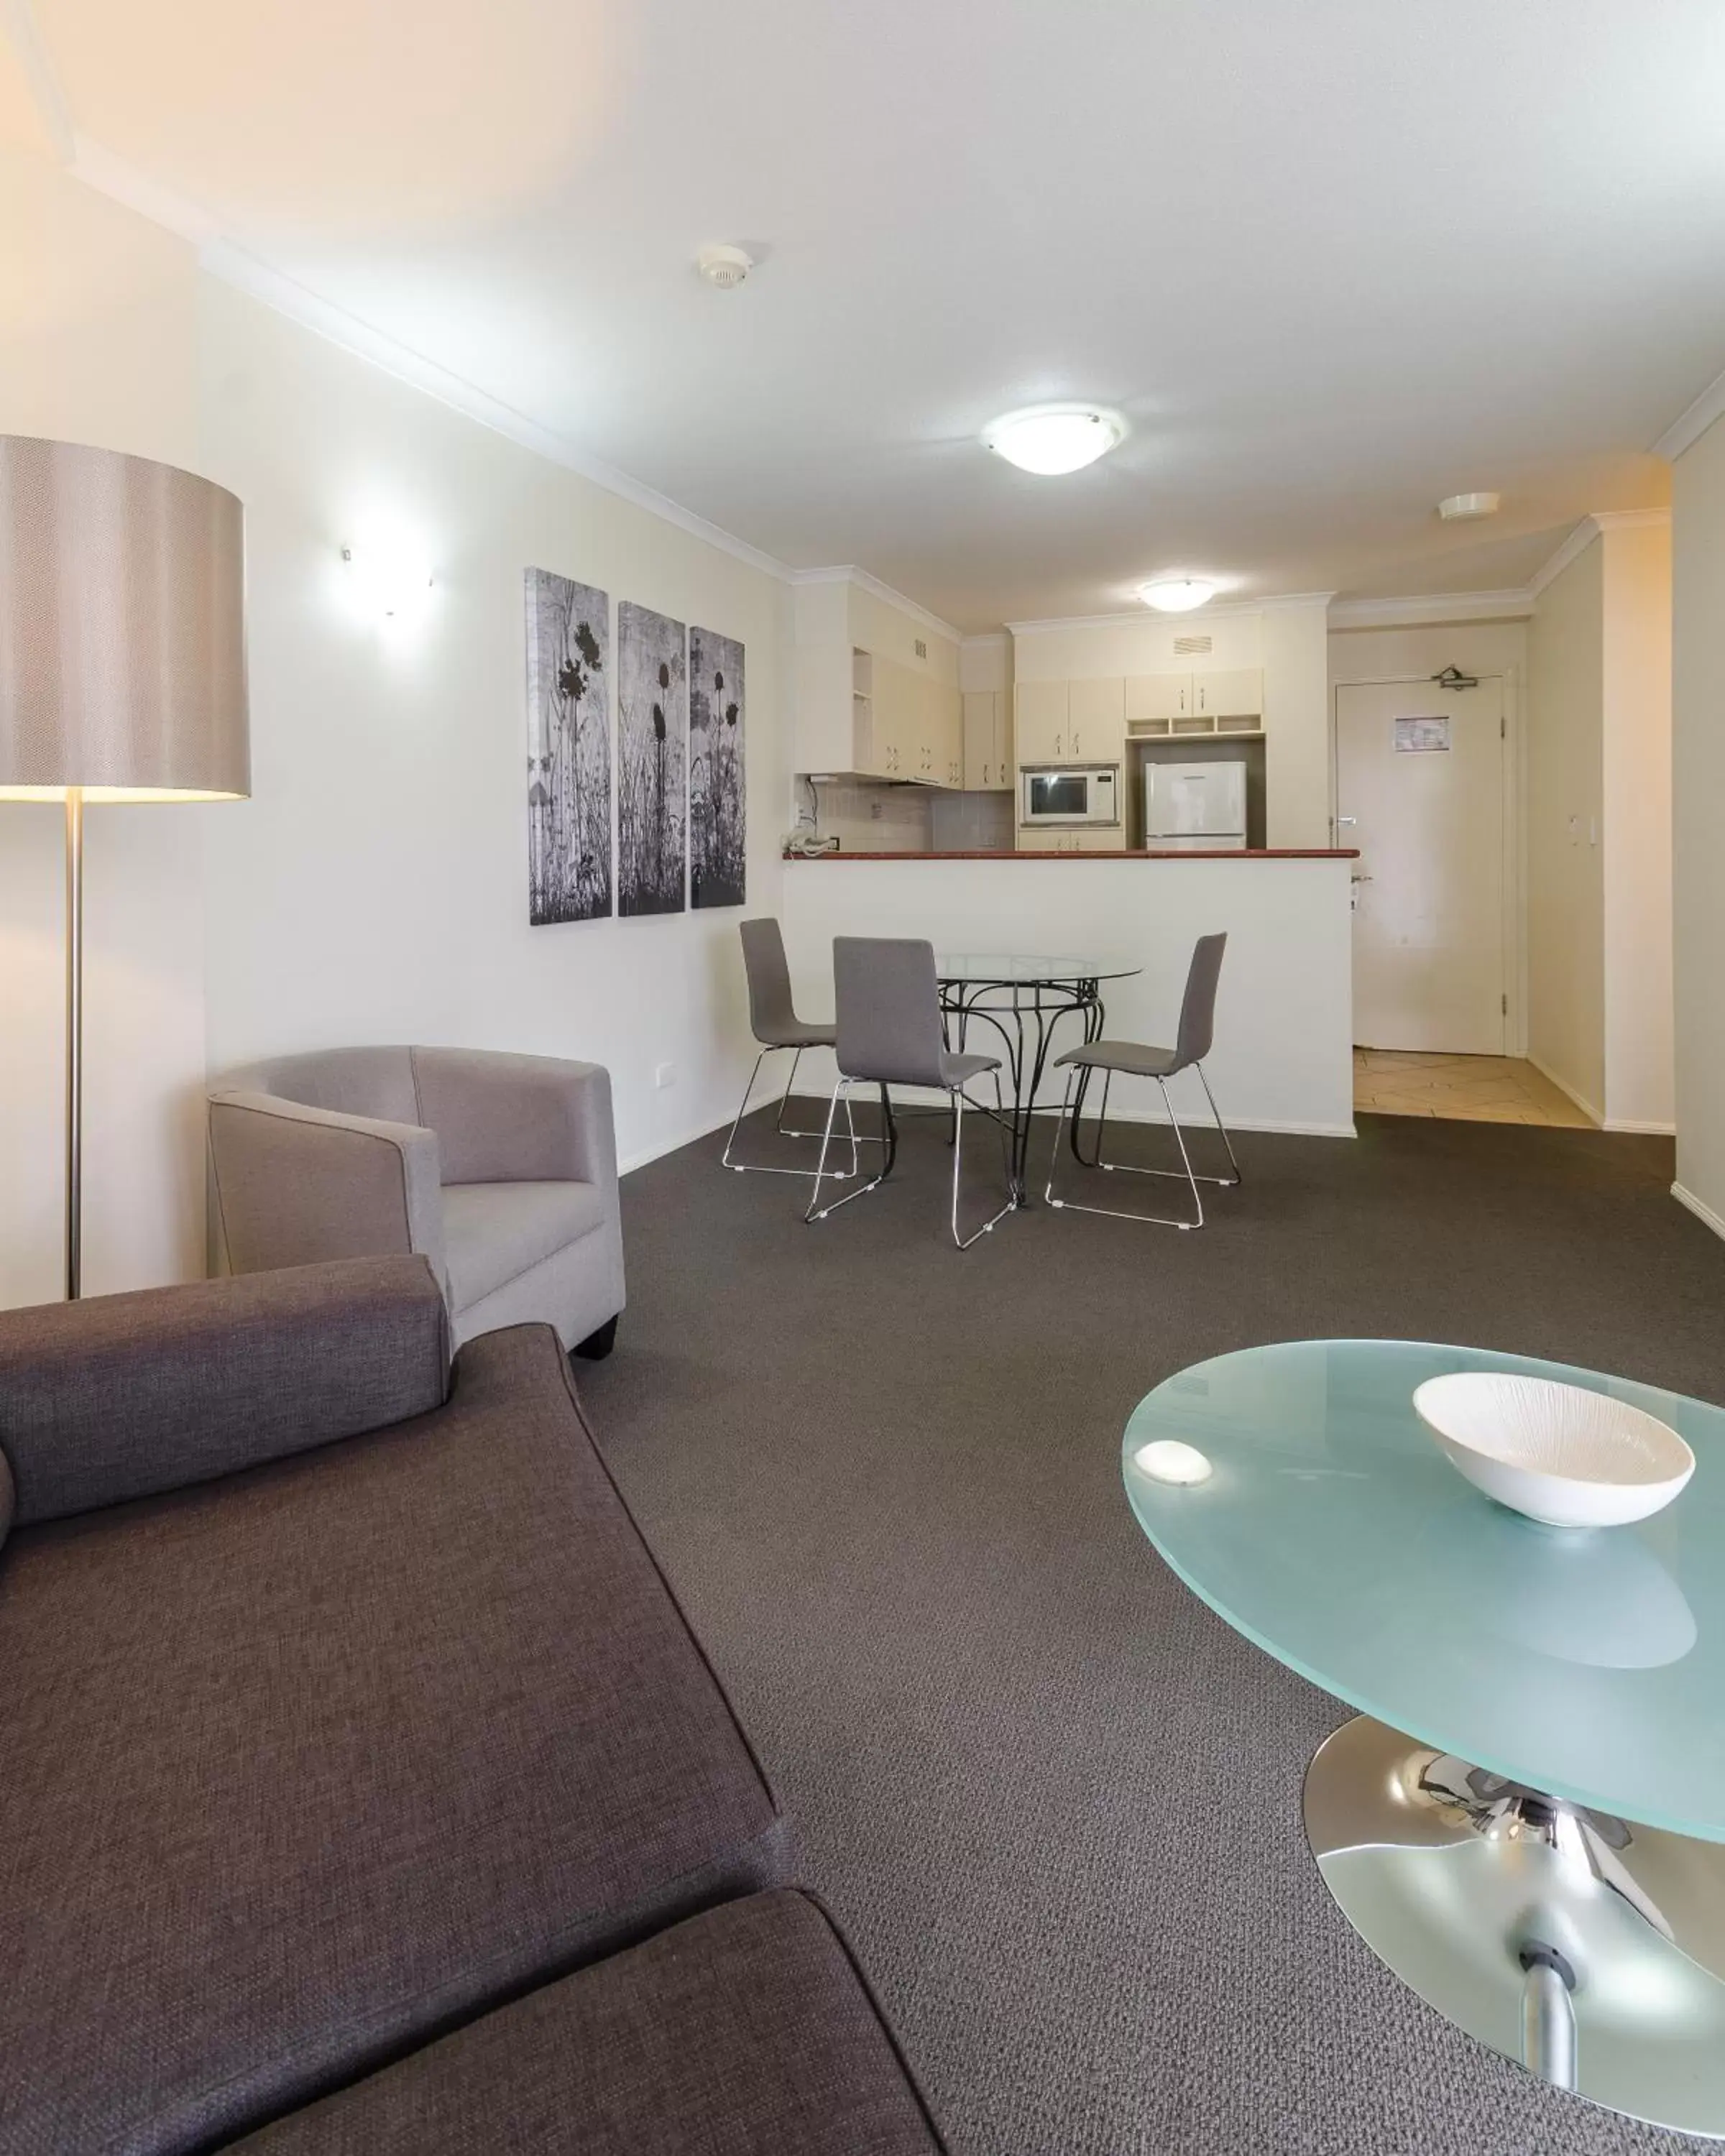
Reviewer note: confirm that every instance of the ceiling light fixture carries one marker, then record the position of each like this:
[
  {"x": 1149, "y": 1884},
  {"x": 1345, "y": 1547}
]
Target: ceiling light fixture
[
  {"x": 1461, "y": 508},
  {"x": 1049, "y": 439},
  {"x": 1177, "y": 594}
]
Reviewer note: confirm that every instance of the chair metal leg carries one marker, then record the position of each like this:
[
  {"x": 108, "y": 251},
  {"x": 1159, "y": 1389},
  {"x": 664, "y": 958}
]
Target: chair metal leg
[
  {"x": 1113, "y": 1212},
  {"x": 817, "y": 1211},
  {"x": 964, "y": 1242},
  {"x": 1178, "y": 1175},
  {"x": 763, "y": 1167}
]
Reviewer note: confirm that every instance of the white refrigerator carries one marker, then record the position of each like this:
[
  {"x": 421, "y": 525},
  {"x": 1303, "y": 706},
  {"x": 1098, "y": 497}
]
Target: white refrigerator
[{"x": 1195, "y": 808}]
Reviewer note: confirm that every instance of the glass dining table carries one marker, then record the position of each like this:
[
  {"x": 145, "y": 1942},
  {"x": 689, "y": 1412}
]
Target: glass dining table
[
  {"x": 1022, "y": 997},
  {"x": 1526, "y": 1819}
]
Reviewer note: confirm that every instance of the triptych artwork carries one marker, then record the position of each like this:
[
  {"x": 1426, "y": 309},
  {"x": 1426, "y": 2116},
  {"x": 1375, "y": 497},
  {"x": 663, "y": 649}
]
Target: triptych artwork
[{"x": 678, "y": 834}]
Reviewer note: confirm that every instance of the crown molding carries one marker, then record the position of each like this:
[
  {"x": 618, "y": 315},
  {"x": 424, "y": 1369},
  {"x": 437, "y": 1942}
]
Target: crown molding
[
  {"x": 1629, "y": 519},
  {"x": 1571, "y": 550},
  {"x": 234, "y": 265},
  {"x": 1421, "y": 610},
  {"x": 848, "y": 572},
  {"x": 19, "y": 27},
  {"x": 991, "y": 640},
  {"x": 1593, "y": 526},
  {"x": 1144, "y": 617},
  {"x": 1689, "y": 426}
]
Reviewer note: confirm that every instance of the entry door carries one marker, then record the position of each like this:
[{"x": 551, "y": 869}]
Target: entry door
[{"x": 1419, "y": 789}]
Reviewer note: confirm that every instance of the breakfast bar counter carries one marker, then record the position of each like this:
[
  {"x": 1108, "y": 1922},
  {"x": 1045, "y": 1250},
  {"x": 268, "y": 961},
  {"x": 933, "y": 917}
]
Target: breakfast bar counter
[
  {"x": 1109, "y": 853},
  {"x": 1284, "y": 1045}
]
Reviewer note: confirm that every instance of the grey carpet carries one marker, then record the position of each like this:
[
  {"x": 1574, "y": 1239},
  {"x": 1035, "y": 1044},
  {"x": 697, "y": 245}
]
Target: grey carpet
[{"x": 1054, "y": 1800}]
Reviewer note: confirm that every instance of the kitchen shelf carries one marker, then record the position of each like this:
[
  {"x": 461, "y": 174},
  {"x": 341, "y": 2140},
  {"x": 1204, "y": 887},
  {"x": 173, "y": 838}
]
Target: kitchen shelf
[{"x": 1200, "y": 726}]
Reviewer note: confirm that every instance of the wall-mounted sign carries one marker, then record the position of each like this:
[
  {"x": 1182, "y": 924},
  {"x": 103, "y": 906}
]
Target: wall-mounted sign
[{"x": 1421, "y": 736}]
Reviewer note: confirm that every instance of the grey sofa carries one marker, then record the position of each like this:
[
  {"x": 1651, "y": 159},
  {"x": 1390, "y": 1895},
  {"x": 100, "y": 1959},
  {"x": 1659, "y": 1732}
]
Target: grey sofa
[
  {"x": 500, "y": 1169},
  {"x": 344, "y": 1707}
]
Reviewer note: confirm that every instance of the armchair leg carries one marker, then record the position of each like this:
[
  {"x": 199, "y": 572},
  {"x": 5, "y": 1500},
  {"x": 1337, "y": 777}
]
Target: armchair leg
[{"x": 596, "y": 1346}]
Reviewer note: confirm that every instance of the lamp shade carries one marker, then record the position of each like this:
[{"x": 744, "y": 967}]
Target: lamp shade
[{"x": 122, "y": 629}]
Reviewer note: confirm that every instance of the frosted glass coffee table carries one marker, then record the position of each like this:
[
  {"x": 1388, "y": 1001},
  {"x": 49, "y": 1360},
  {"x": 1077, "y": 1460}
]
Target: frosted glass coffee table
[{"x": 1526, "y": 1820}]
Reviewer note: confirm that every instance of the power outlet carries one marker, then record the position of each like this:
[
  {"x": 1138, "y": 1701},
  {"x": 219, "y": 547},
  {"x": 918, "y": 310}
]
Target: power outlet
[
  {"x": 663, "y": 1074},
  {"x": 877, "y": 810}
]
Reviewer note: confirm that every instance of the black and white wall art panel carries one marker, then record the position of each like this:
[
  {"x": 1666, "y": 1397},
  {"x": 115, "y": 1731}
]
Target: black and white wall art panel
[
  {"x": 716, "y": 792},
  {"x": 652, "y": 762},
  {"x": 568, "y": 750}
]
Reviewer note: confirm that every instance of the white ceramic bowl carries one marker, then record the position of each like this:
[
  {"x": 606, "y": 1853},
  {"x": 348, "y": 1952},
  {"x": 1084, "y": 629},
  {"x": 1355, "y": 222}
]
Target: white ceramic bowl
[{"x": 1558, "y": 1453}]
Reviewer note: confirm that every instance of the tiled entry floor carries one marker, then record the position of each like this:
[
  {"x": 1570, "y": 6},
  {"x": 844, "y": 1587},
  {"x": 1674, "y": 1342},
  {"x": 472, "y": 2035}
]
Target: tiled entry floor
[{"x": 1473, "y": 1088}]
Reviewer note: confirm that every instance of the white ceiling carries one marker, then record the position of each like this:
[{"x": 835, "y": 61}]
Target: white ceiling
[{"x": 1334, "y": 260}]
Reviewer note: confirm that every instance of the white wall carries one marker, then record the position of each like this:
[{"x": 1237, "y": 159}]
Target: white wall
[
  {"x": 1698, "y": 698},
  {"x": 1566, "y": 917},
  {"x": 1283, "y": 1057},
  {"x": 375, "y": 887},
  {"x": 1598, "y": 817},
  {"x": 1636, "y": 788}
]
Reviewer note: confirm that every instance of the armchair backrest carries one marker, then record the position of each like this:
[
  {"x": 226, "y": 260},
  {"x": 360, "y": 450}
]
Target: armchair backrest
[{"x": 377, "y": 1082}]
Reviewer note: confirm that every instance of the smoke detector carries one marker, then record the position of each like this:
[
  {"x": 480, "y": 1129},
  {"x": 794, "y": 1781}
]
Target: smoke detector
[
  {"x": 725, "y": 266},
  {"x": 1461, "y": 508}
]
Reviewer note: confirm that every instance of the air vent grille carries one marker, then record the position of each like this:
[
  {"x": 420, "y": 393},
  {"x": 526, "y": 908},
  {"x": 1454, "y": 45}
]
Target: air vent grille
[
  {"x": 921, "y": 649},
  {"x": 1191, "y": 647}
]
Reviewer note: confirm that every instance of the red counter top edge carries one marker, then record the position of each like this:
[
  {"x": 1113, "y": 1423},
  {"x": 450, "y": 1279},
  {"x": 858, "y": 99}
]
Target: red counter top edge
[{"x": 1110, "y": 854}]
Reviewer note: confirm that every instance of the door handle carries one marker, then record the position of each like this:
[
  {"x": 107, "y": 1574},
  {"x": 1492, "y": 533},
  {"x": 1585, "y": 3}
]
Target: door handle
[{"x": 1349, "y": 821}]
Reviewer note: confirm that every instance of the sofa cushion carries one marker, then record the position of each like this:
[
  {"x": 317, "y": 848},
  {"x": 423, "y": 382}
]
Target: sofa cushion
[
  {"x": 744, "y": 2032},
  {"x": 495, "y": 1231},
  {"x": 305, "y": 1764}
]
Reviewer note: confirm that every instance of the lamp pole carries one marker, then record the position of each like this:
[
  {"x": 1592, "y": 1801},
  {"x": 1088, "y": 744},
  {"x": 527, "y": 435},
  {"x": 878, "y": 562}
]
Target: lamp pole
[{"x": 74, "y": 1037}]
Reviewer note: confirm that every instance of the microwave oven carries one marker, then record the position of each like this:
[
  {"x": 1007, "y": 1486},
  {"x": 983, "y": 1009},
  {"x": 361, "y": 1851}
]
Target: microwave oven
[{"x": 1069, "y": 793}]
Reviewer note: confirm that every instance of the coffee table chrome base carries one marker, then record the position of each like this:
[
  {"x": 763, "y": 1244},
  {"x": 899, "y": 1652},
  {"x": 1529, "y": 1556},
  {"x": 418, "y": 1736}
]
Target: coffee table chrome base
[{"x": 1589, "y": 1948}]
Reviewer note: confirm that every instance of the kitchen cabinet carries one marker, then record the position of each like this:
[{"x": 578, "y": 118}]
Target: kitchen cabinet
[
  {"x": 1107, "y": 840},
  {"x": 1042, "y": 712},
  {"x": 1071, "y": 721},
  {"x": 988, "y": 743},
  {"x": 915, "y": 729},
  {"x": 1157, "y": 700},
  {"x": 1096, "y": 721}
]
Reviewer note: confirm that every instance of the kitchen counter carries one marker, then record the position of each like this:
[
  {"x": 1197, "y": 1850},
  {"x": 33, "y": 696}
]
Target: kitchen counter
[
  {"x": 1105, "y": 853},
  {"x": 1284, "y": 1049}
]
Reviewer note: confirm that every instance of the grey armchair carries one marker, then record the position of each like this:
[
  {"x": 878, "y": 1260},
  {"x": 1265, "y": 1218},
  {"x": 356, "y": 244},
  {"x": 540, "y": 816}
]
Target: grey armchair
[{"x": 500, "y": 1169}]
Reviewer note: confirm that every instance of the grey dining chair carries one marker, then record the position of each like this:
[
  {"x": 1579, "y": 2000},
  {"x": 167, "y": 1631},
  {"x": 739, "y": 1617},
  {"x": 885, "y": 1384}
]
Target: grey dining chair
[
  {"x": 1192, "y": 1043},
  {"x": 775, "y": 1025},
  {"x": 890, "y": 1032}
]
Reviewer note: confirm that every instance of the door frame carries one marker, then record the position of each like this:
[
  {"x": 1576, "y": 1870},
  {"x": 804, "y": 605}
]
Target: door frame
[{"x": 1515, "y": 837}]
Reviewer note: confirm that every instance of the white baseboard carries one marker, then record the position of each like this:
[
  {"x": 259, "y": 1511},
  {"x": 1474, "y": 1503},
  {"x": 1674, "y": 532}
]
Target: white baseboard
[
  {"x": 1702, "y": 1211},
  {"x": 1594, "y": 1115},
  {"x": 1644, "y": 1130}
]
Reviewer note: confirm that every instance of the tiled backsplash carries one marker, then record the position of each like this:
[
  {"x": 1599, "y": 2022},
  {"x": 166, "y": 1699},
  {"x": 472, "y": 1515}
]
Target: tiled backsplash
[{"x": 869, "y": 818}]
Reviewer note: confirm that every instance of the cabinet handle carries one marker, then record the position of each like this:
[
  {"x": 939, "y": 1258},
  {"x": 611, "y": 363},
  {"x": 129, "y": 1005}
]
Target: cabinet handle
[{"x": 1182, "y": 699}]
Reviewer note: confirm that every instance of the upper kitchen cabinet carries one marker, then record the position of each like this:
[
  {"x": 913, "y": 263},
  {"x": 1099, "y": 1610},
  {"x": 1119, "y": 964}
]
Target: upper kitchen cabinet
[
  {"x": 1202, "y": 702},
  {"x": 1071, "y": 721},
  {"x": 877, "y": 691},
  {"x": 1096, "y": 721},
  {"x": 988, "y": 741}
]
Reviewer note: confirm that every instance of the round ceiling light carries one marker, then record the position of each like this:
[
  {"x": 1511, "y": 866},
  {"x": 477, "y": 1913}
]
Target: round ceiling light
[
  {"x": 1177, "y": 594},
  {"x": 1051, "y": 439},
  {"x": 1463, "y": 508}
]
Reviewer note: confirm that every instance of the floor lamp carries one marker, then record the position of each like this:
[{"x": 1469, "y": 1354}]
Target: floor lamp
[{"x": 122, "y": 666}]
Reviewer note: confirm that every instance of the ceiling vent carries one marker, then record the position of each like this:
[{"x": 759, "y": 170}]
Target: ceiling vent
[{"x": 1192, "y": 647}]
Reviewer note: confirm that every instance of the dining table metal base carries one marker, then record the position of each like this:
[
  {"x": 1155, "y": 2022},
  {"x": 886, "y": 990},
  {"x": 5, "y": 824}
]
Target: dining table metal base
[{"x": 1588, "y": 1949}]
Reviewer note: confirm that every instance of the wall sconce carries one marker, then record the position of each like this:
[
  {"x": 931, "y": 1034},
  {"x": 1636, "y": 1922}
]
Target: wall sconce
[{"x": 387, "y": 580}]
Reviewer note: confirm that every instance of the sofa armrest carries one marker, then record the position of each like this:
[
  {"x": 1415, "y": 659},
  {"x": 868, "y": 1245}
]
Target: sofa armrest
[
  {"x": 124, "y": 1395},
  {"x": 517, "y": 1118},
  {"x": 298, "y": 1186}
]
